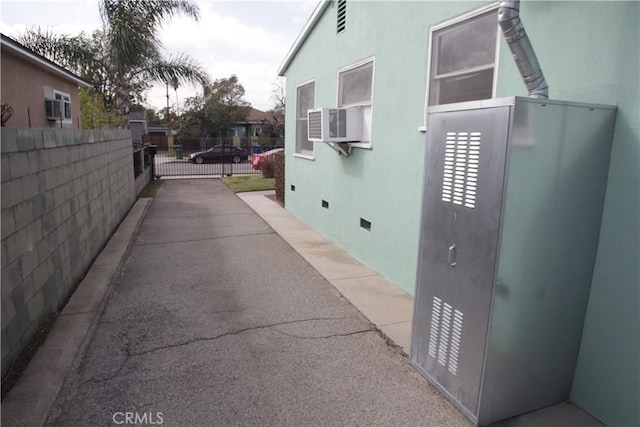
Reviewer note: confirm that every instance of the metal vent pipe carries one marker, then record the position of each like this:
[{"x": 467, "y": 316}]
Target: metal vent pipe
[{"x": 521, "y": 49}]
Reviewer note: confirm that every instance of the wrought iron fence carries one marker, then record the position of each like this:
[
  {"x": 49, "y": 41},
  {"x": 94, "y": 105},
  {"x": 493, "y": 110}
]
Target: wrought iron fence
[
  {"x": 184, "y": 157},
  {"x": 141, "y": 159}
]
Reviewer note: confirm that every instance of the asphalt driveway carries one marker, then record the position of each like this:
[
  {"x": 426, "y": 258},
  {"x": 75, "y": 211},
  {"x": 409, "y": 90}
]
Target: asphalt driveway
[{"x": 215, "y": 320}]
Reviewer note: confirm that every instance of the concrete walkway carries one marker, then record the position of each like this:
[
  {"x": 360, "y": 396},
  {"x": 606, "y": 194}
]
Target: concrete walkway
[
  {"x": 213, "y": 319},
  {"x": 385, "y": 304},
  {"x": 379, "y": 300}
]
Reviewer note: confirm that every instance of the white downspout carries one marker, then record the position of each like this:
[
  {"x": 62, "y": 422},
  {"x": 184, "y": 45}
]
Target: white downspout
[{"x": 521, "y": 49}]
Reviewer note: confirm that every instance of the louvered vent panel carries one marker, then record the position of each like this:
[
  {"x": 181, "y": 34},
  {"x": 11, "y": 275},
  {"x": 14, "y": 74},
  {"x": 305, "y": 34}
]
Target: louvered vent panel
[
  {"x": 342, "y": 15},
  {"x": 456, "y": 336},
  {"x": 449, "y": 162},
  {"x": 445, "y": 326},
  {"x": 445, "y": 335},
  {"x": 473, "y": 163},
  {"x": 315, "y": 125},
  {"x": 460, "y": 168},
  {"x": 435, "y": 326},
  {"x": 461, "y": 163}
]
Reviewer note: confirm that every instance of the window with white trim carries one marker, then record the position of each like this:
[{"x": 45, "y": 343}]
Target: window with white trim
[
  {"x": 463, "y": 58},
  {"x": 61, "y": 108},
  {"x": 355, "y": 88},
  {"x": 305, "y": 100}
]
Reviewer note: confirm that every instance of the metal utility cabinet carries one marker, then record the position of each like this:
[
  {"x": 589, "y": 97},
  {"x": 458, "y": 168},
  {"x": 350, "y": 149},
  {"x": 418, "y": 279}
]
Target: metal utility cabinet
[{"x": 511, "y": 214}]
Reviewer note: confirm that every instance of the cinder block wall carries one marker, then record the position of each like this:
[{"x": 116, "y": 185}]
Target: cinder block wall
[{"x": 63, "y": 194}]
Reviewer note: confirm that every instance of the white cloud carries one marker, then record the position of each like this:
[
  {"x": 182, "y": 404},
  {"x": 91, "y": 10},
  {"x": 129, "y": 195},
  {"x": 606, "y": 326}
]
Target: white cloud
[
  {"x": 227, "y": 44},
  {"x": 78, "y": 16},
  {"x": 248, "y": 39}
]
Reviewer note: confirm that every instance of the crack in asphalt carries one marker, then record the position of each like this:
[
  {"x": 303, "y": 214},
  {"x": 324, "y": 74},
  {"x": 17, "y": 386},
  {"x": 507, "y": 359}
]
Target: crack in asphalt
[
  {"x": 253, "y": 328},
  {"x": 167, "y": 242},
  {"x": 208, "y": 215},
  {"x": 129, "y": 355},
  {"x": 346, "y": 334}
]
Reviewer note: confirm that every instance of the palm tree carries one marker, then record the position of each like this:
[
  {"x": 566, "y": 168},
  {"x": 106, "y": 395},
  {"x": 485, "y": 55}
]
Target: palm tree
[
  {"x": 123, "y": 57},
  {"x": 175, "y": 84}
]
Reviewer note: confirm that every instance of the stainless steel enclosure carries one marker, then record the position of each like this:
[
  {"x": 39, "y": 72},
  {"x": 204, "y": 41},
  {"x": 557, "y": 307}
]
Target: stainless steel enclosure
[{"x": 511, "y": 215}]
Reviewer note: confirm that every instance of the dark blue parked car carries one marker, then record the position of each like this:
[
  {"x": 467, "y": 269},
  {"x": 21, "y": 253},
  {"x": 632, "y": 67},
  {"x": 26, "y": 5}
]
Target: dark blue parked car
[{"x": 220, "y": 154}]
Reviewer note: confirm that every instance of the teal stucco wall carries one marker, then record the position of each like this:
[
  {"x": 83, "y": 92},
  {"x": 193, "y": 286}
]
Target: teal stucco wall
[
  {"x": 594, "y": 57},
  {"x": 383, "y": 184},
  {"x": 589, "y": 53}
]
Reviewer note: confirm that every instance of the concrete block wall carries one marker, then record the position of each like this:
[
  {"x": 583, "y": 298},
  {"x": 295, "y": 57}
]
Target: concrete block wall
[
  {"x": 143, "y": 180},
  {"x": 63, "y": 194}
]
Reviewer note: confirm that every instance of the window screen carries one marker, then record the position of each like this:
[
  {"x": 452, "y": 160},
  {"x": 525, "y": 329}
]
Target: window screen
[
  {"x": 355, "y": 85},
  {"x": 305, "y": 99},
  {"x": 463, "y": 57}
]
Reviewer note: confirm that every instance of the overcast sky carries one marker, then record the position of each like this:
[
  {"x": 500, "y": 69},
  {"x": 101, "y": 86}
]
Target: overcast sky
[{"x": 246, "y": 38}]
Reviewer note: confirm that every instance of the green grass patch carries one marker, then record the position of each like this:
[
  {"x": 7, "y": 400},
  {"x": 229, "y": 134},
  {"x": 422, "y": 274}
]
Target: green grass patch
[
  {"x": 151, "y": 189},
  {"x": 240, "y": 184}
]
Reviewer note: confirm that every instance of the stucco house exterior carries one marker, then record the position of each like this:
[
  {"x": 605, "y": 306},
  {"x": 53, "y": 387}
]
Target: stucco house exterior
[
  {"x": 254, "y": 124},
  {"x": 41, "y": 93},
  {"x": 139, "y": 125},
  {"x": 394, "y": 60}
]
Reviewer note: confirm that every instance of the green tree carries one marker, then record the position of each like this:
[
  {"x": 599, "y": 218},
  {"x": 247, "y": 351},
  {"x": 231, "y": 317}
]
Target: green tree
[
  {"x": 212, "y": 113},
  {"x": 153, "y": 116},
  {"x": 277, "y": 112},
  {"x": 168, "y": 119},
  {"x": 93, "y": 114},
  {"x": 123, "y": 58}
]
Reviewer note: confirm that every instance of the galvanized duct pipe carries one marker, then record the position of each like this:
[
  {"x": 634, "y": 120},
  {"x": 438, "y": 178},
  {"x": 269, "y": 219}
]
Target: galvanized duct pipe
[{"x": 521, "y": 49}]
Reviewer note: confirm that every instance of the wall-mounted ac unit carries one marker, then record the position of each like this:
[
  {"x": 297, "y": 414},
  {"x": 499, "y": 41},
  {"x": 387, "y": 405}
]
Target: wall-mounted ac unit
[
  {"x": 52, "y": 108},
  {"x": 335, "y": 124}
]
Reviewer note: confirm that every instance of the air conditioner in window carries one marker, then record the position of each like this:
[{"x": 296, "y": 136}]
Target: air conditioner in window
[
  {"x": 52, "y": 108},
  {"x": 335, "y": 124}
]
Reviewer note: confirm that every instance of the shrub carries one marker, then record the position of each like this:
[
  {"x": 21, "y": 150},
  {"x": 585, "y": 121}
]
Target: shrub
[
  {"x": 278, "y": 173},
  {"x": 267, "y": 166}
]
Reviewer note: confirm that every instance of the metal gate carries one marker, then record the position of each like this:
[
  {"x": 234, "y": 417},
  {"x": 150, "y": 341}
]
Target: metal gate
[
  {"x": 210, "y": 158},
  {"x": 171, "y": 163}
]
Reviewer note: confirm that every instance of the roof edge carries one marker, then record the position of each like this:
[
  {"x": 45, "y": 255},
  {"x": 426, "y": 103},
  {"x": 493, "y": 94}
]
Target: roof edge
[
  {"x": 306, "y": 30},
  {"x": 16, "y": 47}
]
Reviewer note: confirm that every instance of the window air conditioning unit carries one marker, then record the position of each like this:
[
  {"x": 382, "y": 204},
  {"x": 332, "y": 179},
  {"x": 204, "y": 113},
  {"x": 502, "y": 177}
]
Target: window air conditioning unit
[
  {"x": 52, "y": 108},
  {"x": 335, "y": 124}
]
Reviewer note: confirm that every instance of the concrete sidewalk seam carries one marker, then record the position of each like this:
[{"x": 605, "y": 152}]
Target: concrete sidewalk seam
[
  {"x": 79, "y": 313},
  {"x": 395, "y": 323},
  {"x": 353, "y": 277}
]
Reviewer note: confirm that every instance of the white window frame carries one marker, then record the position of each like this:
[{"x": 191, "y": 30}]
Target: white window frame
[
  {"x": 454, "y": 21},
  {"x": 303, "y": 154},
  {"x": 62, "y": 100},
  {"x": 366, "y": 122}
]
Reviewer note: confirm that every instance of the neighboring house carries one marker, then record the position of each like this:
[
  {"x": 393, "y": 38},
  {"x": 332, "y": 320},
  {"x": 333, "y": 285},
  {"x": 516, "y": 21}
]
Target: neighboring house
[
  {"x": 154, "y": 129},
  {"x": 256, "y": 124},
  {"x": 41, "y": 93},
  {"x": 138, "y": 124},
  {"x": 394, "y": 60}
]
